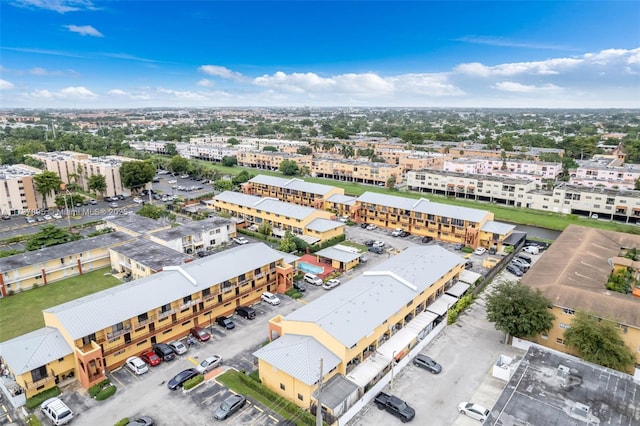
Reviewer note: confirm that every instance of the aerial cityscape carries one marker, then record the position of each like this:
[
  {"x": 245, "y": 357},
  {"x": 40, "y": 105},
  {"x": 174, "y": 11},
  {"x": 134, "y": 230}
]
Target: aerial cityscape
[{"x": 305, "y": 213}]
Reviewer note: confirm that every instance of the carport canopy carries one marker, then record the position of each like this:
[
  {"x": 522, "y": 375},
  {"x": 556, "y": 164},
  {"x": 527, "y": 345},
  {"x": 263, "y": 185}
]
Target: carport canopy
[
  {"x": 458, "y": 289},
  {"x": 442, "y": 304},
  {"x": 406, "y": 335},
  {"x": 469, "y": 277},
  {"x": 364, "y": 373},
  {"x": 309, "y": 239}
]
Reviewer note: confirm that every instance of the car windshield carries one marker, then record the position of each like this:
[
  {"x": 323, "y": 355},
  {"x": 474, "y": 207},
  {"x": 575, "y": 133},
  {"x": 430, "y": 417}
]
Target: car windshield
[
  {"x": 226, "y": 406},
  {"x": 202, "y": 333}
]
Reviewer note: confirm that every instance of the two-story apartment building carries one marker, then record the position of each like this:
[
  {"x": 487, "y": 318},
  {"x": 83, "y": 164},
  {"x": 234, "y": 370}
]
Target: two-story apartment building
[
  {"x": 271, "y": 160},
  {"x": 356, "y": 171},
  {"x": 18, "y": 193},
  {"x": 192, "y": 237},
  {"x": 140, "y": 258},
  {"x": 103, "y": 329},
  {"x": 603, "y": 174},
  {"x": 382, "y": 312},
  {"x": 311, "y": 225},
  {"x": 292, "y": 190},
  {"x": 511, "y": 168}
]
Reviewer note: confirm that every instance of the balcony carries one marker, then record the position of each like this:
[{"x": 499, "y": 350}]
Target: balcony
[
  {"x": 163, "y": 315},
  {"x": 35, "y": 385},
  {"x": 115, "y": 334}
]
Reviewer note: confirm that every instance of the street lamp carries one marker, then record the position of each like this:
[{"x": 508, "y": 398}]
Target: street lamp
[{"x": 393, "y": 361}]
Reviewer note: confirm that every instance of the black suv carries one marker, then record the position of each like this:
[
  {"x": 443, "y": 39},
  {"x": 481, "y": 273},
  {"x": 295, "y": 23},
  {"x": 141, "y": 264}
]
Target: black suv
[
  {"x": 226, "y": 323},
  {"x": 246, "y": 312},
  {"x": 164, "y": 351}
]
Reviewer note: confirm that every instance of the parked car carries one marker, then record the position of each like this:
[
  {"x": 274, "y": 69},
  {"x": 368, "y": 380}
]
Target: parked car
[
  {"x": 377, "y": 250},
  {"x": 531, "y": 250},
  {"x": 30, "y": 219},
  {"x": 369, "y": 243},
  {"x": 427, "y": 363},
  {"x": 113, "y": 205},
  {"x": 164, "y": 351},
  {"x": 523, "y": 265},
  {"x": 6, "y": 217},
  {"x": 427, "y": 239},
  {"x": 57, "y": 411},
  {"x": 209, "y": 364},
  {"x": 246, "y": 312},
  {"x": 136, "y": 365},
  {"x": 363, "y": 258},
  {"x": 404, "y": 234},
  {"x": 150, "y": 358},
  {"x": 395, "y": 406},
  {"x": 468, "y": 264},
  {"x": 142, "y": 421},
  {"x": 514, "y": 270},
  {"x": 137, "y": 200},
  {"x": 371, "y": 227},
  {"x": 200, "y": 334},
  {"x": 240, "y": 240},
  {"x": 378, "y": 244},
  {"x": 230, "y": 406},
  {"x": 332, "y": 283},
  {"x": 47, "y": 217},
  {"x": 300, "y": 286},
  {"x": 475, "y": 411},
  {"x": 270, "y": 298},
  {"x": 57, "y": 216},
  {"x": 480, "y": 251},
  {"x": 226, "y": 323},
  {"x": 364, "y": 225},
  {"x": 396, "y": 232},
  {"x": 178, "y": 380},
  {"x": 185, "y": 176},
  {"x": 93, "y": 202},
  {"x": 524, "y": 257},
  {"x": 458, "y": 246},
  {"x": 178, "y": 347},
  {"x": 312, "y": 279}
]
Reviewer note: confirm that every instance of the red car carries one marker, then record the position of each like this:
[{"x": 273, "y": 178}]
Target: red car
[
  {"x": 150, "y": 358},
  {"x": 200, "y": 334}
]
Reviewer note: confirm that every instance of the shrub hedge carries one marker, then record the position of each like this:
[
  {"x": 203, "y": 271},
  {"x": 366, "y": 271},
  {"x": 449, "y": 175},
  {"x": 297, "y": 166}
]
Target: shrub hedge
[
  {"x": 193, "y": 382},
  {"x": 38, "y": 399},
  {"x": 122, "y": 422},
  {"x": 106, "y": 392},
  {"x": 95, "y": 389},
  {"x": 464, "y": 302}
]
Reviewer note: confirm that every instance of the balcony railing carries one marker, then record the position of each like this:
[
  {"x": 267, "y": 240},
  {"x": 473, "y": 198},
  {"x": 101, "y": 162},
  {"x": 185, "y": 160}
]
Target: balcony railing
[
  {"x": 163, "y": 315},
  {"x": 115, "y": 334},
  {"x": 41, "y": 382}
]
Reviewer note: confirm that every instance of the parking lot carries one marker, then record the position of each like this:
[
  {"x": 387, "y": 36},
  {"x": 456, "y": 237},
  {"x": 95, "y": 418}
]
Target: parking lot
[{"x": 185, "y": 187}]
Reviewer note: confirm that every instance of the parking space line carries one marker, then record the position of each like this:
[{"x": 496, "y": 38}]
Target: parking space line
[
  {"x": 274, "y": 419},
  {"x": 117, "y": 380},
  {"x": 258, "y": 408},
  {"x": 193, "y": 360}
]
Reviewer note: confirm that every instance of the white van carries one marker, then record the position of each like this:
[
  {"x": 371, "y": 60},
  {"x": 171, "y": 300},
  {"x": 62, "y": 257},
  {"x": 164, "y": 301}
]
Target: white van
[
  {"x": 312, "y": 279},
  {"x": 57, "y": 411}
]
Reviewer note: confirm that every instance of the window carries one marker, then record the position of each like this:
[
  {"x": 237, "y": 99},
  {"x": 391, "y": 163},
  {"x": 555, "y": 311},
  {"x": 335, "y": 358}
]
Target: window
[
  {"x": 282, "y": 386},
  {"x": 186, "y": 299},
  {"x": 143, "y": 317},
  {"x": 165, "y": 308},
  {"x": 206, "y": 292},
  {"x": 568, "y": 311},
  {"x": 560, "y": 341},
  {"x": 300, "y": 397}
]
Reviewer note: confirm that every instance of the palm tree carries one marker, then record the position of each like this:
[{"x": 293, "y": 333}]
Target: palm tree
[{"x": 46, "y": 183}]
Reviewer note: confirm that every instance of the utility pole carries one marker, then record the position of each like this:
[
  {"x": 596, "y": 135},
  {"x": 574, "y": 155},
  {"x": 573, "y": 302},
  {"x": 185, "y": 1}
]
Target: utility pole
[{"x": 319, "y": 406}]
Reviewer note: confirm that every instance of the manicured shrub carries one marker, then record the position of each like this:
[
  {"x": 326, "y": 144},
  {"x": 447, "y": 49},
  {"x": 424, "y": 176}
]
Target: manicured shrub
[
  {"x": 193, "y": 382},
  {"x": 38, "y": 399},
  {"x": 106, "y": 392},
  {"x": 95, "y": 389},
  {"x": 122, "y": 422}
]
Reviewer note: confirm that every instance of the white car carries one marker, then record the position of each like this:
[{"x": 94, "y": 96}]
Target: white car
[
  {"x": 137, "y": 200},
  {"x": 209, "y": 364},
  {"x": 531, "y": 250},
  {"x": 480, "y": 251},
  {"x": 332, "y": 283},
  {"x": 475, "y": 411},
  {"x": 270, "y": 298},
  {"x": 371, "y": 227},
  {"x": 396, "y": 232},
  {"x": 378, "y": 244},
  {"x": 178, "y": 347},
  {"x": 241, "y": 240},
  {"x": 47, "y": 217},
  {"x": 57, "y": 216},
  {"x": 184, "y": 177},
  {"x": 136, "y": 365},
  {"x": 172, "y": 181}
]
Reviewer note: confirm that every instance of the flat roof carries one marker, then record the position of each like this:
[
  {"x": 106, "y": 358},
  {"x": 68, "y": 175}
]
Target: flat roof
[
  {"x": 152, "y": 255},
  {"x": 270, "y": 205},
  {"x": 35, "y": 349},
  {"x": 136, "y": 223},
  {"x": 293, "y": 183},
  {"x": 36, "y": 257},
  {"x": 192, "y": 227},
  {"x": 339, "y": 255},
  {"x": 97, "y": 311},
  {"x": 354, "y": 309},
  {"x": 537, "y": 394},
  {"x": 424, "y": 206},
  {"x": 323, "y": 225},
  {"x": 500, "y": 228},
  {"x": 342, "y": 199}
]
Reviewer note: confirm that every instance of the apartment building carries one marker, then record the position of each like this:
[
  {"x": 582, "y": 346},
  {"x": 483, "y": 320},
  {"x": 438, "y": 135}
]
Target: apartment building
[
  {"x": 601, "y": 174},
  {"x": 518, "y": 169},
  {"x": 18, "y": 193},
  {"x": 211, "y": 152},
  {"x": 140, "y": 258},
  {"x": 573, "y": 274},
  {"x": 462, "y": 149},
  {"x": 103, "y": 329},
  {"x": 134, "y": 224},
  {"x": 356, "y": 171},
  {"x": 479, "y": 187},
  {"x": 76, "y": 167},
  {"x": 196, "y": 236},
  {"x": 22, "y": 271},
  {"x": 383, "y": 312},
  {"x": 309, "y": 224},
  {"x": 291, "y": 190},
  {"x": 411, "y": 159},
  {"x": 271, "y": 160},
  {"x": 159, "y": 147}
]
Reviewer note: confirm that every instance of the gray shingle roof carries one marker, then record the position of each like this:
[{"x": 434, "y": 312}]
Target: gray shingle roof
[
  {"x": 299, "y": 357},
  {"x": 353, "y": 310},
  {"x": 323, "y": 225},
  {"x": 497, "y": 227},
  {"x": 98, "y": 311},
  {"x": 266, "y": 204},
  {"x": 61, "y": 250},
  {"x": 294, "y": 183},
  {"x": 190, "y": 228},
  {"x": 150, "y": 254},
  {"x": 32, "y": 350},
  {"x": 424, "y": 206}
]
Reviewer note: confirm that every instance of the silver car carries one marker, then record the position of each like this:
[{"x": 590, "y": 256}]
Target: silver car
[
  {"x": 475, "y": 411},
  {"x": 178, "y": 347},
  {"x": 209, "y": 364},
  {"x": 136, "y": 365}
]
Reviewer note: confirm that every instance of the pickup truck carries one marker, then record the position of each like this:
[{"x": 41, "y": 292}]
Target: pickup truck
[{"x": 395, "y": 406}]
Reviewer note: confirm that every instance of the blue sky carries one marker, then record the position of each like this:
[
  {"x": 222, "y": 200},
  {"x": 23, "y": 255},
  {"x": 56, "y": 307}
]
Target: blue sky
[{"x": 87, "y": 54}]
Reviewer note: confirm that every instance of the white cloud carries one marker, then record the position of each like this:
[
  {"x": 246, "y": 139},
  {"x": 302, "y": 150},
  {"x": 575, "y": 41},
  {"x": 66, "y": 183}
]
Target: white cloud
[
  {"x": 205, "y": 83},
  {"x": 218, "y": 71},
  {"x": 6, "y": 85},
  {"x": 503, "y": 42},
  {"x": 181, "y": 94},
  {"x": 512, "y": 86},
  {"x": 69, "y": 93},
  {"x": 84, "y": 30},
  {"x": 548, "y": 67},
  {"x": 39, "y": 71},
  {"x": 128, "y": 95},
  {"x": 60, "y": 6}
]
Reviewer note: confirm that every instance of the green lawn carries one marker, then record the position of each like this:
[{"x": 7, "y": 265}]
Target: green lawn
[{"x": 21, "y": 313}]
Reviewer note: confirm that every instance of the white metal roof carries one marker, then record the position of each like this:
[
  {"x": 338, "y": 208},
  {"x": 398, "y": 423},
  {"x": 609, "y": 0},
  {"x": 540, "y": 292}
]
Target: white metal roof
[
  {"x": 299, "y": 357},
  {"x": 293, "y": 183},
  {"x": 323, "y": 225},
  {"x": 342, "y": 199},
  {"x": 497, "y": 227},
  {"x": 353, "y": 310},
  {"x": 364, "y": 373},
  {"x": 458, "y": 289},
  {"x": 442, "y": 304},
  {"x": 98, "y": 311},
  {"x": 33, "y": 350},
  {"x": 339, "y": 255},
  {"x": 270, "y": 205},
  {"x": 469, "y": 277}
]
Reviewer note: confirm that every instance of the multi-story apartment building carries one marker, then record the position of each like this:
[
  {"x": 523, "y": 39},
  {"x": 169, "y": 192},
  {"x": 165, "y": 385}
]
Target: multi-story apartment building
[
  {"x": 41, "y": 267},
  {"x": 573, "y": 274},
  {"x": 602, "y": 174},
  {"x": 309, "y": 224},
  {"x": 443, "y": 222},
  {"x": 133, "y": 224},
  {"x": 411, "y": 159},
  {"x": 97, "y": 333},
  {"x": 358, "y": 328},
  {"x": 18, "y": 192},
  {"x": 478, "y": 187},
  {"x": 292, "y": 190},
  {"x": 193, "y": 237},
  {"x": 140, "y": 258},
  {"x": 356, "y": 171},
  {"x": 510, "y": 168},
  {"x": 461, "y": 149},
  {"x": 271, "y": 160},
  {"x": 76, "y": 167}
]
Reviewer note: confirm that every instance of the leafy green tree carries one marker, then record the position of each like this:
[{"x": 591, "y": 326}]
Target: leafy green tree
[
  {"x": 241, "y": 177},
  {"x": 49, "y": 235},
  {"x": 519, "y": 311},
  {"x": 637, "y": 185},
  {"x": 170, "y": 149},
  {"x": 287, "y": 243},
  {"x": 305, "y": 150},
  {"x": 391, "y": 182},
  {"x": 265, "y": 229},
  {"x": 136, "y": 174},
  {"x": 97, "y": 183},
  {"x": 46, "y": 183},
  {"x": 179, "y": 164},
  {"x": 289, "y": 167},
  {"x": 339, "y": 133},
  {"x": 68, "y": 200},
  {"x": 599, "y": 341},
  {"x": 229, "y": 161},
  {"x": 233, "y": 141},
  {"x": 151, "y": 211},
  {"x": 270, "y": 148},
  {"x": 223, "y": 185}
]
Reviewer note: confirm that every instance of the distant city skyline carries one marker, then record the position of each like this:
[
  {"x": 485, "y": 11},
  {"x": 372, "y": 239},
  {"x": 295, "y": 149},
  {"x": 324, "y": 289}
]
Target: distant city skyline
[{"x": 126, "y": 54}]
